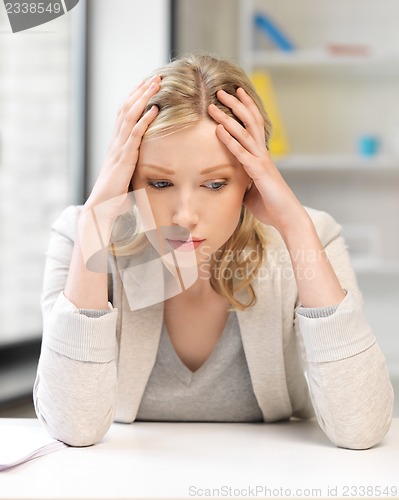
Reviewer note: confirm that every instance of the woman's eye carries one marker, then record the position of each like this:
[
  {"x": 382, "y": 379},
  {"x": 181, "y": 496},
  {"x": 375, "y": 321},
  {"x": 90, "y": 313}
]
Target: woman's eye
[
  {"x": 215, "y": 185},
  {"x": 159, "y": 184}
]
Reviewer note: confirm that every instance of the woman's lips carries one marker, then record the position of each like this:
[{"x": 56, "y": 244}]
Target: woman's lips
[{"x": 185, "y": 245}]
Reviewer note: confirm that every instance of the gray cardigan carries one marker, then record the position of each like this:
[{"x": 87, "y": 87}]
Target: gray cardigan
[{"x": 93, "y": 370}]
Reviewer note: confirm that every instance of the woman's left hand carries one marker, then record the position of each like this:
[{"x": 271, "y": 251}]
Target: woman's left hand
[{"x": 270, "y": 199}]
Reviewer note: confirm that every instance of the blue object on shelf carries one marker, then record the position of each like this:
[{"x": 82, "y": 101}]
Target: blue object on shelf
[
  {"x": 368, "y": 145},
  {"x": 265, "y": 24}
]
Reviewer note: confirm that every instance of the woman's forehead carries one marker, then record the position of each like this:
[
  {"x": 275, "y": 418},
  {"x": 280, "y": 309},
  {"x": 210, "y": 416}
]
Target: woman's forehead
[{"x": 197, "y": 144}]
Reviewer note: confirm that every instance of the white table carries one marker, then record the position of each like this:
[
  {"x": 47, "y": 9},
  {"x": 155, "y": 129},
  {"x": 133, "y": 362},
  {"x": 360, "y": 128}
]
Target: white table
[{"x": 183, "y": 460}]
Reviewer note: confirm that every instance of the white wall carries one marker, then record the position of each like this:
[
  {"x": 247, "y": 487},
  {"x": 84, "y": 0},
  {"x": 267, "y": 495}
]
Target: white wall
[
  {"x": 128, "y": 39},
  {"x": 208, "y": 25}
]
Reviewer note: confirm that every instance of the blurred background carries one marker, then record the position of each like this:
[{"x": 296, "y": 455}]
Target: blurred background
[{"x": 329, "y": 76}]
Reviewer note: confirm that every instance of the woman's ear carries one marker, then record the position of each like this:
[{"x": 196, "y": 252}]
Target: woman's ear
[{"x": 249, "y": 186}]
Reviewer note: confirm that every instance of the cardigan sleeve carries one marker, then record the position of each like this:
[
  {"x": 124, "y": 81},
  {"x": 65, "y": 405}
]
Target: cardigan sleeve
[
  {"x": 347, "y": 373},
  {"x": 75, "y": 388}
]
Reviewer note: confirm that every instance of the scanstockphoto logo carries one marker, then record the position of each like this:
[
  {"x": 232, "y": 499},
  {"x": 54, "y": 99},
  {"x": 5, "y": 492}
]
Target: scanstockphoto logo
[{"x": 24, "y": 15}]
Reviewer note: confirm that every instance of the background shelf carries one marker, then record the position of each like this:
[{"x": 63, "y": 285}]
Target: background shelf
[
  {"x": 326, "y": 103},
  {"x": 322, "y": 57},
  {"x": 336, "y": 162}
]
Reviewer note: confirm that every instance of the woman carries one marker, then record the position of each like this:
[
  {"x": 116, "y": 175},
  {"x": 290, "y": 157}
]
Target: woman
[{"x": 267, "y": 322}]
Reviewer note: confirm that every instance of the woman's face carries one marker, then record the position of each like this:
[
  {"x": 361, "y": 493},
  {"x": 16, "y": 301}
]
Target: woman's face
[{"x": 192, "y": 181}]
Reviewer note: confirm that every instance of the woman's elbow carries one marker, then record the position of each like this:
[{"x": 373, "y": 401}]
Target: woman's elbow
[
  {"x": 73, "y": 428},
  {"x": 74, "y": 434},
  {"x": 366, "y": 431},
  {"x": 77, "y": 439}
]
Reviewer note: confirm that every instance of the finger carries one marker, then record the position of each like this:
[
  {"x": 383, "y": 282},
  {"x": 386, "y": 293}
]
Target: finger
[
  {"x": 136, "y": 93},
  {"x": 234, "y": 129},
  {"x": 135, "y": 112},
  {"x": 127, "y": 104},
  {"x": 249, "y": 103},
  {"x": 143, "y": 82},
  {"x": 138, "y": 132},
  {"x": 250, "y": 163},
  {"x": 247, "y": 100},
  {"x": 130, "y": 151},
  {"x": 241, "y": 153},
  {"x": 246, "y": 110}
]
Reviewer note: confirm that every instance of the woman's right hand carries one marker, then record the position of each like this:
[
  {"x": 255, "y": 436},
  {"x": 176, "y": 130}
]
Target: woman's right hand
[{"x": 109, "y": 195}]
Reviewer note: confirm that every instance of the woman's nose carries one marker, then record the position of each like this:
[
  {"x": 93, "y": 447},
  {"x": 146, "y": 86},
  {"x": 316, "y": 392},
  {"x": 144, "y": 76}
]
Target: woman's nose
[{"x": 185, "y": 213}]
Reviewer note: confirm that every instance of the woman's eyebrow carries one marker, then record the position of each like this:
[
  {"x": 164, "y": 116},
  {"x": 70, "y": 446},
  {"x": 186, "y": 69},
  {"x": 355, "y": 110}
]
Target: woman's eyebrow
[
  {"x": 158, "y": 167},
  {"x": 171, "y": 172},
  {"x": 216, "y": 167}
]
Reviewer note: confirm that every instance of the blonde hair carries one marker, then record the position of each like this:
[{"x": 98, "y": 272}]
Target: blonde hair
[{"x": 189, "y": 84}]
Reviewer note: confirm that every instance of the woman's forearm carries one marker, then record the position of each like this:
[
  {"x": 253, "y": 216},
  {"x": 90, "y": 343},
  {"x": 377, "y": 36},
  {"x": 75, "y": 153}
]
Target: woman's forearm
[
  {"x": 87, "y": 289},
  {"x": 318, "y": 285}
]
